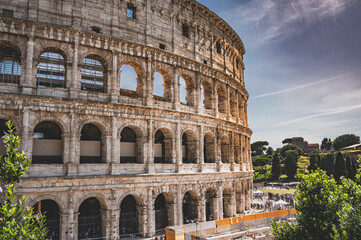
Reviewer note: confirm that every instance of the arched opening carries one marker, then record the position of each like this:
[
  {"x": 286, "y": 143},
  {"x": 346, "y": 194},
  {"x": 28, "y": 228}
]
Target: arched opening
[
  {"x": 221, "y": 94},
  {"x": 225, "y": 149},
  {"x": 227, "y": 203},
  {"x": 186, "y": 90},
  {"x": 128, "y": 81},
  {"x": 10, "y": 69},
  {"x": 159, "y": 87},
  {"x": 51, "y": 70},
  {"x": 233, "y": 104},
  {"x": 189, "y": 207},
  {"x": 161, "y": 213},
  {"x": 237, "y": 150},
  {"x": 189, "y": 147},
  {"x": 50, "y": 209},
  {"x": 239, "y": 198},
  {"x": 206, "y": 95},
  {"x": 128, "y": 146},
  {"x": 47, "y": 144},
  {"x": 128, "y": 221},
  {"x": 93, "y": 75},
  {"x": 90, "y": 144},
  {"x": 159, "y": 147},
  {"x": 90, "y": 220},
  {"x": 240, "y": 108},
  {"x": 209, "y": 148},
  {"x": 211, "y": 204}
]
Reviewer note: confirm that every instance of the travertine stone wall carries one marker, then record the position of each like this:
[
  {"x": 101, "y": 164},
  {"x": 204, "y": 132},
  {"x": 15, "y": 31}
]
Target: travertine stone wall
[{"x": 218, "y": 137}]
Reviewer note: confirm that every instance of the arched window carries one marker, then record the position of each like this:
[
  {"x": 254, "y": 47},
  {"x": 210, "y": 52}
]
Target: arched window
[
  {"x": 183, "y": 91},
  {"x": 128, "y": 146},
  {"x": 128, "y": 81},
  {"x": 189, "y": 147},
  {"x": 225, "y": 149},
  {"x": 222, "y": 105},
  {"x": 10, "y": 68},
  {"x": 90, "y": 144},
  {"x": 51, "y": 70},
  {"x": 47, "y": 144},
  {"x": 158, "y": 87},
  {"x": 128, "y": 220},
  {"x": 89, "y": 220},
  {"x": 93, "y": 77},
  {"x": 159, "y": 148},
  {"x": 208, "y": 151},
  {"x": 50, "y": 209},
  {"x": 233, "y": 104},
  {"x": 227, "y": 203},
  {"x": 206, "y": 95},
  {"x": 161, "y": 213},
  {"x": 189, "y": 207},
  {"x": 211, "y": 210}
]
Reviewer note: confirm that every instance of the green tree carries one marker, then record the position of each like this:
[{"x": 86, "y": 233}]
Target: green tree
[
  {"x": 260, "y": 163},
  {"x": 328, "y": 211},
  {"x": 269, "y": 151},
  {"x": 276, "y": 166},
  {"x": 323, "y": 143},
  {"x": 353, "y": 170},
  {"x": 340, "y": 166},
  {"x": 287, "y": 141},
  {"x": 328, "y": 164},
  {"x": 17, "y": 221},
  {"x": 313, "y": 162},
  {"x": 345, "y": 140},
  {"x": 290, "y": 147},
  {"x": 258, "y": 148},
  {"x": 329, "y": 144},
  {"x": 291, "y": 157}
]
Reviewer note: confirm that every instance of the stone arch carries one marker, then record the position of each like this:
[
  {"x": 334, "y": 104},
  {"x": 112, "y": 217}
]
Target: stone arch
[
  {"x": 132, "y": 91},
  {"x": 237, "y": 149},
  {"x": 206, "y": 95},
  {"x": 131, "y": 141},
  {"x": 233, "y": 103},
  {"x": 94, "y": 73},
  {"x": 163, "y": 210},
  {"x": 210, "y": 197},
  {"x": 239, "y": 197},
  {"x": 90, "y": 219},
  {"x": 49, "y": 134},
  {"x": 102, "y": 125},
  {"x": 190, "y": 206},
  {"x": 225, "y": 143},
  {"x": 92, "y": 144},
  {"x": 10, "y": 63},
  {"x": 227, "y": 201},
  {"x": 221, "y": 99},
  {"x": 50, "y": 209},
  {"x": 59, "y": 201},
  {"x": 189, "y": 146},
  {"x": 101, "y": 198},
  {"x": 131, "y": 210},
  {"x": 166, "y": 85},
  {"x": 209, "y": 148},
  {"x": 163, "y": 145},
  {"x": 189, "y": 88},
  {"x": 51, "y": 65}
]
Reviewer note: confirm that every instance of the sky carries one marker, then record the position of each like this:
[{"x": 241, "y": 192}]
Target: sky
[{"x": 303, "y": 66}]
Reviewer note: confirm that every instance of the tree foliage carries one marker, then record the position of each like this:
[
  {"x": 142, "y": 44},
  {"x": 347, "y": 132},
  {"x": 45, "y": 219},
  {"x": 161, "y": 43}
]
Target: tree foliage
[
  {"x": 276, "y": 166},
  {"x": 313, "y": 162},
  {"x": 328, "y": 164},
  {"x": 291, "y": 157},
  {"x": 258, "y": 148},
  {"x": 269, "y": 151},
  {"x": 17, "y": 222},
  {"x": 290, "y": 147},
  {"x": 287, "y": 141},
  {"x": 327, "y": 210},
  {"x": 326, "y": 144},
  {"x": 345, "y": 140},
  {"x": 340, "y": 166}
]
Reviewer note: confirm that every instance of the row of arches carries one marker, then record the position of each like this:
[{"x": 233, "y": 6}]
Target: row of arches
[
  {"x": 52, "y": 67},
  {"x": 91, "y": 215},
  {"x": 93, "y": 145}
]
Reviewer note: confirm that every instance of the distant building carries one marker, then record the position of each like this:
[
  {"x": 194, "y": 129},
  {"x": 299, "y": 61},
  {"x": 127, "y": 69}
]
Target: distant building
[{"x": 304, "y": 145}]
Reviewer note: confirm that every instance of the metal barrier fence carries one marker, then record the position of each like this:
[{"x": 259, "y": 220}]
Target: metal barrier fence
[{"x": 198, "y": 231}]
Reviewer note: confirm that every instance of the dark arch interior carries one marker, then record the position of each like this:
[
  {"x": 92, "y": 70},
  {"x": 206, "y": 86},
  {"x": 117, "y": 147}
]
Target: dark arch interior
[
  {"x": 90, "y": 223},
  {"x": 90, "y": 145},
  {"x": 90, "y": 132},
  {"x": 185, "y": 147},
  {"x": 159, "y": 139},
  {"x": 128, "y": 135},
  {"x": 128, "y": 221},
  {"x": 51, "y": 211},
  {"x": 10, "y": 68},
  {"x": 47, "y": 134},
  {"x": 189, "y": 208},
  {"x": 161, "y": 213}
]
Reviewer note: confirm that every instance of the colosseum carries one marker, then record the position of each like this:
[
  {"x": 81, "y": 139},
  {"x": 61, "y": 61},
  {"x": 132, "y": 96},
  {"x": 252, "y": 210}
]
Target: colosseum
[{"x": 133, "y": 113}]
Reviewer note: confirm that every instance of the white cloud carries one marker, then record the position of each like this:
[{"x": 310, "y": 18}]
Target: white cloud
[{"x": 280, "y": 19}]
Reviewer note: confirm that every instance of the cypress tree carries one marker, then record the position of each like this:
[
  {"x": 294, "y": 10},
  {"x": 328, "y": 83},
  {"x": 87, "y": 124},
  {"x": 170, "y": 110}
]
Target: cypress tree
[
  {"x": 313, "y": 164},
  {"x": 340, "y": 167},
  {"x": 353, "y": 170},
  {"x": 276, "y": 166}
]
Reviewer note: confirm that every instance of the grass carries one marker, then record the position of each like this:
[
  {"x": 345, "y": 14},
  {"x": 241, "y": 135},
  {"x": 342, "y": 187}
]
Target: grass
[{"x": 279, "y": 191}]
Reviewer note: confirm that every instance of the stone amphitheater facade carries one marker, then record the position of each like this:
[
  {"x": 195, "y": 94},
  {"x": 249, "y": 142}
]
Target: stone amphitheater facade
[{"x": 108, "y": 161}]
